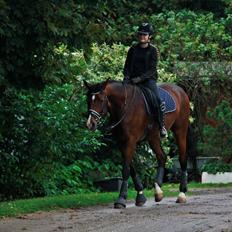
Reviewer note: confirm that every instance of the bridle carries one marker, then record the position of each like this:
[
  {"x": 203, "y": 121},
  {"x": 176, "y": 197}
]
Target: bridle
[{"x": 97, "y": 116}]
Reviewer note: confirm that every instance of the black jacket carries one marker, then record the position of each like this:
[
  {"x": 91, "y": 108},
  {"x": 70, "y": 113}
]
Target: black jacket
[{"x": 141, "y": 62}]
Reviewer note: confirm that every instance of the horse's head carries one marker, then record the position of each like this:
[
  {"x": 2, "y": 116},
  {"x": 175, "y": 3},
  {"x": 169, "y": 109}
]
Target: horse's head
[{"x": 97, "y": 103}]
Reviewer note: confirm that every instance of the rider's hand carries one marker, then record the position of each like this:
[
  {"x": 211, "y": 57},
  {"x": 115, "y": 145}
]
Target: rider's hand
[{"x": 136, "y": 80}]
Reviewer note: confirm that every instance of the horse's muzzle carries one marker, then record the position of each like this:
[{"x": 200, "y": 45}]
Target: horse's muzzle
[{"x": 91, "y": 123}]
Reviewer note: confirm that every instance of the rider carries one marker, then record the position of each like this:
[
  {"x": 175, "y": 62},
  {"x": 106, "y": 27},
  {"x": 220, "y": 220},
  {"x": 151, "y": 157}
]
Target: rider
[{"x": 140, "y": 68}]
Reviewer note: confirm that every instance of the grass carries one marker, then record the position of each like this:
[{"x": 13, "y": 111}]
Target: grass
[{"x": 17, "y": 207}]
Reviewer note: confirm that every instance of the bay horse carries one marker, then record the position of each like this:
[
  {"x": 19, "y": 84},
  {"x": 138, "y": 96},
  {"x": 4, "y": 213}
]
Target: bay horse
[{"x": 131, "y": 124}]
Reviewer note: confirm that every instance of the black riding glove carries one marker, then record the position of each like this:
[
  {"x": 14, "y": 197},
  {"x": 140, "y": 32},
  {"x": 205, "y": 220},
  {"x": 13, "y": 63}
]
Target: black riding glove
[{"x": 136, "y": 80}]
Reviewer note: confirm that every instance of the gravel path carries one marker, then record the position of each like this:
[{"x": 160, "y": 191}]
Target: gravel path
[{"x": 208, "y": 210}]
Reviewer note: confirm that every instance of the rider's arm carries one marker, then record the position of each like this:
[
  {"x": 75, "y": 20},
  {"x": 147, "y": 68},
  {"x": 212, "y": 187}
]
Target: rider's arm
[
  {"x": 152, "y": 68},
  {"x": 127, "y": 65}
]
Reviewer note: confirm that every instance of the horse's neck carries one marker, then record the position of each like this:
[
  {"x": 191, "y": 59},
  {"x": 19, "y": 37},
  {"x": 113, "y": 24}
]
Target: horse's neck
[{"x": 118, "y": 95}]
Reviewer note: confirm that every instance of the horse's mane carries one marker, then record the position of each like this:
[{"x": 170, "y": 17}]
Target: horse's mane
[{"x": 98, "y": 86}]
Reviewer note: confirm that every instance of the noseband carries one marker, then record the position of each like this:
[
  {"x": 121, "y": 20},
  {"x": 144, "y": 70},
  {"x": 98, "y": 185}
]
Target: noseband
[{"x": 95, "y": 114}]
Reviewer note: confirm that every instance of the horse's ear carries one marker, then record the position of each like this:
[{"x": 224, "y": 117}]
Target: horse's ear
[
  {"x": 105, "y": 83},
  {"x": 86, "y": 84}
]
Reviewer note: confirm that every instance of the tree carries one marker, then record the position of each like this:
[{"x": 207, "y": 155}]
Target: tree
[{"x": 30, "y": 30}]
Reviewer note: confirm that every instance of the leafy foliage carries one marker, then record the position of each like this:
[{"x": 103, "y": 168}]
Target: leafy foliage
[
  {"x": 79, "y": 176},
  {"x": 199, "y": 36},
  {"x": 28, "y": 33},
  {"x": 106, "y": 62},
  {"x": 37, "y": 27},
  {"x": 39, "y": 131},
  {"x": 218, "y": 141},
  {"x": 214, "y": 167}
]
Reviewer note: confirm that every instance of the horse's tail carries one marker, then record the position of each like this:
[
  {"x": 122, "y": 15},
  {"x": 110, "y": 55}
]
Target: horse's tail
[{"x": 192, "y": 148}]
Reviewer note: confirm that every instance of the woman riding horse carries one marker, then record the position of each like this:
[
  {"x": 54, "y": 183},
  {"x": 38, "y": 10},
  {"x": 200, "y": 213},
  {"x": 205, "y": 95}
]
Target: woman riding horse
[{"x": 140, "y": 69}]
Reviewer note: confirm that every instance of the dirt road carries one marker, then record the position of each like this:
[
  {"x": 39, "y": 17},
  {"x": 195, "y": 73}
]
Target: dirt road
[{"x": 208, "y": 210}]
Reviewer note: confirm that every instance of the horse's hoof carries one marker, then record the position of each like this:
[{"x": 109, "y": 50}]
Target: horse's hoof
[
  {"x": 159, "y": 197},
  {"x": 140, "y": 200},
  {"x": 119, "y": 206},
  {"x": 181, "y": 198},
  {"x": 120, "y": 203},
  {"x": 139, "y": 204},
  {"x": 158, "y": 193}
]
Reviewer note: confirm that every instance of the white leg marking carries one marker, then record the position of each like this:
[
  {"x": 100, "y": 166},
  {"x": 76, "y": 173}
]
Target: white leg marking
[
  {"x": 158, "y": 190},
  {"x": 182, "y": 195},
  {"x": 181, "y": 198}
]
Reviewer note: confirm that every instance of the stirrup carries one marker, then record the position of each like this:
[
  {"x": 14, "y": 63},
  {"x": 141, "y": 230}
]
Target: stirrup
[{"x": 163, "y": 132}]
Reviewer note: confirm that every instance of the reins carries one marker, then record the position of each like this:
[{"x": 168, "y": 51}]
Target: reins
[{"x": 109, "y": 128}]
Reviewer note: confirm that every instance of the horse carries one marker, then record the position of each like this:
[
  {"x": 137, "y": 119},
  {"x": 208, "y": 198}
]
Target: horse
[{"x": 131, "y": 124}]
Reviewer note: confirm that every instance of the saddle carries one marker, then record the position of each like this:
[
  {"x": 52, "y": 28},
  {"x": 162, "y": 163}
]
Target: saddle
[{"x": 166, "y": 99}]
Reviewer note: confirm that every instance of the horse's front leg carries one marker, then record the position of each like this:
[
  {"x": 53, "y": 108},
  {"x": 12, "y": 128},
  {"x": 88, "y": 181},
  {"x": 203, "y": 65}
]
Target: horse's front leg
[
  {"x": 127, "y": 152},
  {"x": 140, "y": 198},
  {"x": 121, "y": 201}
]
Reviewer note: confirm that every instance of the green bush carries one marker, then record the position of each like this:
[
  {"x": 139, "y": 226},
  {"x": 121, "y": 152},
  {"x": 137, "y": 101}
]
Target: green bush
[
  {"x": 106, "y": 62},
  {"x": 39, "y": 131},
  {"x": 79, "y": 176},
  {"x": 217, "y": 166},
  {"x": 64, "y": 66},
  {"x": 200, "y": 36},
  {"x": 218, "y": 141}
]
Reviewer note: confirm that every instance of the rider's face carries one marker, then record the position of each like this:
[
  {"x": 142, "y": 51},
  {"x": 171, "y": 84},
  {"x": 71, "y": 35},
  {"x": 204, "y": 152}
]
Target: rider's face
[{"x": 144, "y": 38}]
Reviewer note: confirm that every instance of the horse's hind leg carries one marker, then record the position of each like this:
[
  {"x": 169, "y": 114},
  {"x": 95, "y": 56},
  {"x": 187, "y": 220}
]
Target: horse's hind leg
[
  {"x": 161, "y": 158},
  {"x": 181, "y": 135},
  {"x": 140, "y": 198}
]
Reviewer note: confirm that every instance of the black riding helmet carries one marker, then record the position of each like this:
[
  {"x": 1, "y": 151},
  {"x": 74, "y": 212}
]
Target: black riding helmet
[{"x": 145, "y": 29}]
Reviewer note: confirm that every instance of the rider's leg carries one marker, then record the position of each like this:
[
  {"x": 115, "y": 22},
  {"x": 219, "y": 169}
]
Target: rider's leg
[
  {"x": 151, "y": 84},
  {"x": 161, "y": 112}
]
